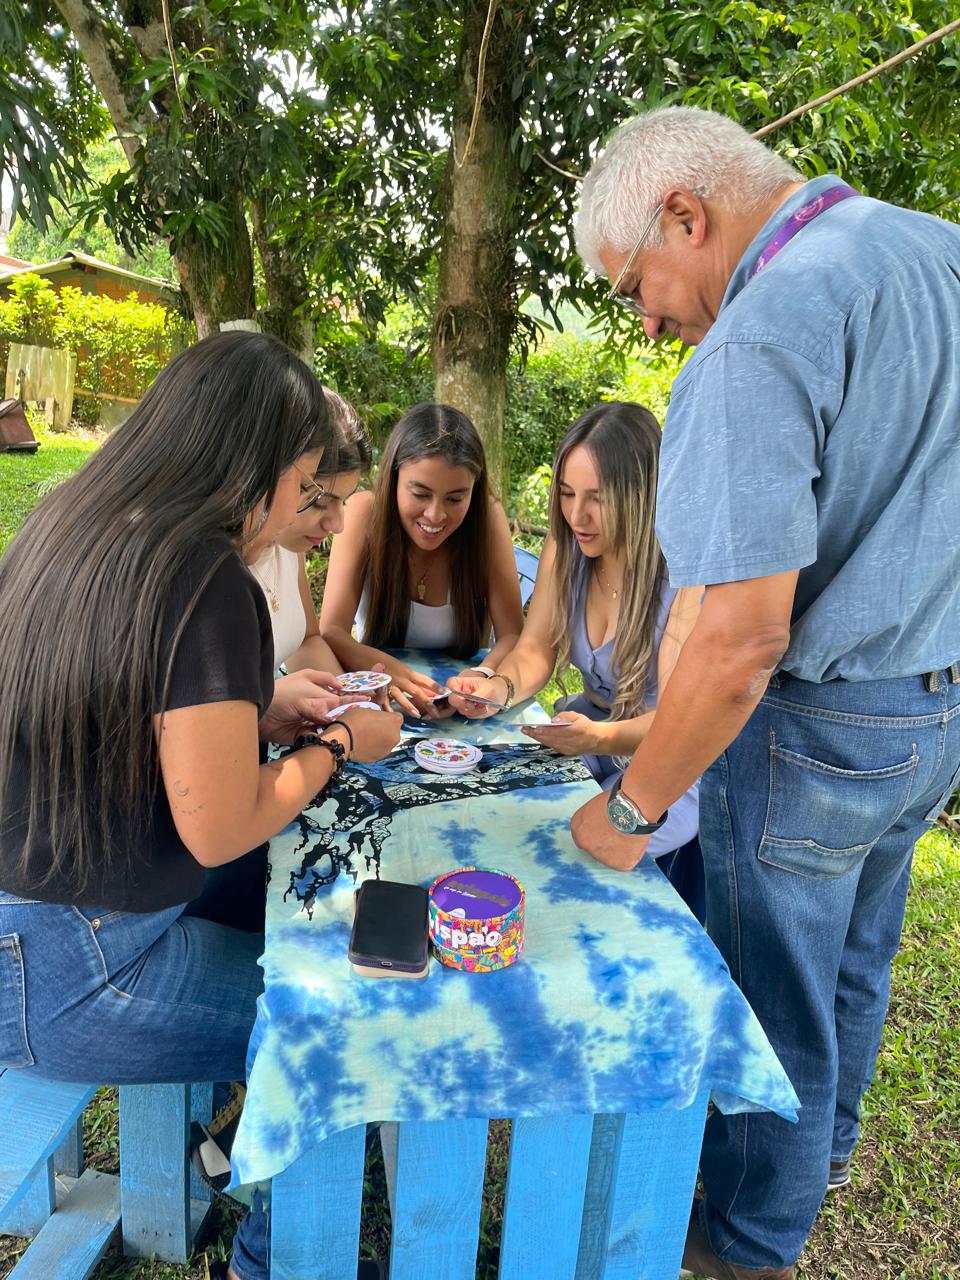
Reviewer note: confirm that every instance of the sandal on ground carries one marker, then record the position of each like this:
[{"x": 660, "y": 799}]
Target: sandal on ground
[{"x": 211, "y": 1144}]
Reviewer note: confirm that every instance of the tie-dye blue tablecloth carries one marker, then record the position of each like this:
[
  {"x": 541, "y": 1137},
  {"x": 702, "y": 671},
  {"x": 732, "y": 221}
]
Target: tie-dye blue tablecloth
[{"x": 619, "y": 1003}]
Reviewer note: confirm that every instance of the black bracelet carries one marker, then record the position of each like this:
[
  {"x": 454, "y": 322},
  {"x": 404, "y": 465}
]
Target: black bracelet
[
  {"x": 336, "y": 749},
  {"x": 342, "y": 724}
]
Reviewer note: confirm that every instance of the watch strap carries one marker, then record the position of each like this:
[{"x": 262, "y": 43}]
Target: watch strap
[{"x": 644, "y": 826}]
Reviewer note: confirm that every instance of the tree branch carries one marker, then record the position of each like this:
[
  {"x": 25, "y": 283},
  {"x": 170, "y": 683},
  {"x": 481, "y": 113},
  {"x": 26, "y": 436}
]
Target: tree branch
[{"x": 109, "y": 68}]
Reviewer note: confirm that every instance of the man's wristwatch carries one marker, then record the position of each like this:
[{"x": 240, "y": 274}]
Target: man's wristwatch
[{"x": 626, "y": 816}]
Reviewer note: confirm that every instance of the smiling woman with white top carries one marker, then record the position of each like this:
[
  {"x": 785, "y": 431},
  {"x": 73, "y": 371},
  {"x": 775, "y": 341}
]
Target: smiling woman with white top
[{"x": 425, "y": 560}]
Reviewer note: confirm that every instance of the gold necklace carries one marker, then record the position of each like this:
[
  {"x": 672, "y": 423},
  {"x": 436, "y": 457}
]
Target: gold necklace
[
  {"x": 268, "y": 591},
  {"x": 420, "y": 589},
  {"x": 613, "y": 590}
]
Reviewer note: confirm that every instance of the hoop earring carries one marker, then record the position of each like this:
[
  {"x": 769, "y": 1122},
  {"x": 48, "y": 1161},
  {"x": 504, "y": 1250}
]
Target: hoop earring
[{"x": 264, "y": 514}]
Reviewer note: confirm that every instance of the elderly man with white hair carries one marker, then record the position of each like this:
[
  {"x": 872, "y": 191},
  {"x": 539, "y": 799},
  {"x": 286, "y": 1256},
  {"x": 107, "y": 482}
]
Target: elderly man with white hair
[{"x": 810, "y": 476}]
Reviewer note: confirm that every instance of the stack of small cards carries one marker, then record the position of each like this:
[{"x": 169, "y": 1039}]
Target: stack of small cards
[{"x": 447, "y": 755}]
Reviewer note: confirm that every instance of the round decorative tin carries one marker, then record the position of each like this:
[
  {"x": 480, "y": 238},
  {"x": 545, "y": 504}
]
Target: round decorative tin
[{"x": 476, "y": 919}]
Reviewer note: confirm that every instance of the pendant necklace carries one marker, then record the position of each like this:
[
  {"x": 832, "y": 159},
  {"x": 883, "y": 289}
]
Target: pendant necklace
[
  {"x": 268, "y": 591},
  {"x": 613, "y": 590}
]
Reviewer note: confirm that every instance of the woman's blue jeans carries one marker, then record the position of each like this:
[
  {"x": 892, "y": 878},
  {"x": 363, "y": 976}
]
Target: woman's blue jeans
[
  {"x": 808, "y": 823},
  {"x": 109, "y": 997}
]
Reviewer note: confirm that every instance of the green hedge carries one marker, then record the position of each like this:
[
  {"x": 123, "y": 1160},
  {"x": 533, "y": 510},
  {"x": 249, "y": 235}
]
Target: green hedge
[{"x": 121, "y": 346}]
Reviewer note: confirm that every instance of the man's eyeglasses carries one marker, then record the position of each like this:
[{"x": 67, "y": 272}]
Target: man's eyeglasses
[
  {"x": 312, "y": 498},
  {"x": 624, "y": 299}
]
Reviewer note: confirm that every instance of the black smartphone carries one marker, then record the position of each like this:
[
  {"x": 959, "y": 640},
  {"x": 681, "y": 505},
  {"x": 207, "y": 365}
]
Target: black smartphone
[{"x": 389, "y": 937}]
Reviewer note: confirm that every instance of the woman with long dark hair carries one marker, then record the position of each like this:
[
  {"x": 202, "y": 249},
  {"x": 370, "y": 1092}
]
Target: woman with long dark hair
[
  {"x": 136, "y": 695},
  {"x": 425, "y": 561},
  {"x": 602, "y": 603}
]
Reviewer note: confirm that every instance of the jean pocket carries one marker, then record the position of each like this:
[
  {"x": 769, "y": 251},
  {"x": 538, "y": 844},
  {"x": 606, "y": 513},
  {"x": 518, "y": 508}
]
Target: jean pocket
[
  {"x": 822, "y": 820},
  {"x": 941, "y": 804},
  {"x": 14, "y": 1049}
]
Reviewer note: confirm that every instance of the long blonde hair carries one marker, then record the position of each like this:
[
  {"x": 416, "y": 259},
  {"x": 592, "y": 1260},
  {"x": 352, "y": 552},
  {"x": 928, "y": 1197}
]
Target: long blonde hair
[{"x": 624, "y": 441}]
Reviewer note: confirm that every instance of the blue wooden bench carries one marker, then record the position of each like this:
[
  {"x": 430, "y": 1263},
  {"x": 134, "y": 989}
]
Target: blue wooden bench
[
  {"x": 602, "y": 1197},
  {"x": 72, "y": 1218}
]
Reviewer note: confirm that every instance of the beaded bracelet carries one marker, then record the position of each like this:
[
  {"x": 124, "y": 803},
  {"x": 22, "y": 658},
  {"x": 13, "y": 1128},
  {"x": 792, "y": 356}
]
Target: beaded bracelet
[{"x": 336, "y": 749}]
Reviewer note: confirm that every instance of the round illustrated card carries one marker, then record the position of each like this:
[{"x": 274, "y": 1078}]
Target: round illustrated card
[
  {"x": 447, "y": 754},
  {"x": 352, "y": 706},
  {"x": 364, "y": 681}
]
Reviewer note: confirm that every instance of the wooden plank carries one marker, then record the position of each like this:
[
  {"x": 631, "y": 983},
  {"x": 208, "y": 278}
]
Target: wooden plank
[
  {"x": 76, "y": 1237},
  {"x": 315, "y": 1211},
  {"x": 35, "y": 1115},
  {"x": 69, "y": 1155},
  {"x": 159, "y": 1219},
  {"x": 436, "y": 1222},
  {"x": 201, "y": 1110},
  {"x": 388, "y": 1145},
  {"x": 43, "y": 373},
  {"x": 32, "y": 1209},
  {"x": 643, "y": 1171},
  {"x": 543, "y": 1205},
  {"x": 103, "y": 395}
]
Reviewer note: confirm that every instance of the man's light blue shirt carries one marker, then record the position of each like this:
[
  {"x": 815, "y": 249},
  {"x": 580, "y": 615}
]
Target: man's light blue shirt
[{"x": 817, "y": 427}]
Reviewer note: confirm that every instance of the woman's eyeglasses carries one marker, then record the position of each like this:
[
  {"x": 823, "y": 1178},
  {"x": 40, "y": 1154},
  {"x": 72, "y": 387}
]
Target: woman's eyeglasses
[{"x": 310, "y": 499}]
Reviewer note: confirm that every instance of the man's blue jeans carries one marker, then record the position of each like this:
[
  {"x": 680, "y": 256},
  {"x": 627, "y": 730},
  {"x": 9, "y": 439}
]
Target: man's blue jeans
[
  {"x": 807, "y": 824},
  {"x": 111, "y": 997}
]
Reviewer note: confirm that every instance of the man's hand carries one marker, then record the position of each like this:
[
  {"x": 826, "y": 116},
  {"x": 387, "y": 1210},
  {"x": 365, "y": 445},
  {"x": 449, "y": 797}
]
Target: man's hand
[{"x": 594, "y": 833}]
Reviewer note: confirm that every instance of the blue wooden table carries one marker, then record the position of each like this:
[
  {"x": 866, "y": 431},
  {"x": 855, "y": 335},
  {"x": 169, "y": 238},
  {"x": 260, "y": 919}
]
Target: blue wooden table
[{"x": 603, "y": 1044}]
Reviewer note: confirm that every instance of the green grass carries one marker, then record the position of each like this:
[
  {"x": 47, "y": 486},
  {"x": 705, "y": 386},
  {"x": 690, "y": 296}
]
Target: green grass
[{"x": 25, "y": 477}]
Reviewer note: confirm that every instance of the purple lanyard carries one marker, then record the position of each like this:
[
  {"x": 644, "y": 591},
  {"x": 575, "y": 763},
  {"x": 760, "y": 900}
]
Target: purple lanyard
[{"x": 798, "y": 220}]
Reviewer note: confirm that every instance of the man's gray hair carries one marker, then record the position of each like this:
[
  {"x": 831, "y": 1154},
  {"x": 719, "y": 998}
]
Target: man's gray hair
[{"x": 708, "y": 153}]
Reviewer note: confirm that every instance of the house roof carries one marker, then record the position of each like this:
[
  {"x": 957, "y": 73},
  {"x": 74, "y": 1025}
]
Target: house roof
[
  {"x": 74, "y": 260},
  {"x": 7, "y": 261}
]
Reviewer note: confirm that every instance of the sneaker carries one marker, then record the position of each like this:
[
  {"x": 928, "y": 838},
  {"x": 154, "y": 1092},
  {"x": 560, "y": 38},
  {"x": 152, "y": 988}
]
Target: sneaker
[
  {"x": 211, "y": 1144},
  {"x": 699, "y": 1259},
  {"x": 839, "y": 1174}
]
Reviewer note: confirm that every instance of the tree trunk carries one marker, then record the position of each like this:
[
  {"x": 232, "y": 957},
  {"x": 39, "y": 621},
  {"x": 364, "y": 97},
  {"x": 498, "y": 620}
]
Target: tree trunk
[
  {"x": 286, "y": 314},
  {"x": 475, "y": 309},
  {"x": 218, "y": 279}
]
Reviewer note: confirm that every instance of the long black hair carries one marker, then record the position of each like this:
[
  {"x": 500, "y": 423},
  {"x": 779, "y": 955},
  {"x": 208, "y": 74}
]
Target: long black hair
[
  {"x": 84, "y": 584},
  {"x": 429, "y": 431}
]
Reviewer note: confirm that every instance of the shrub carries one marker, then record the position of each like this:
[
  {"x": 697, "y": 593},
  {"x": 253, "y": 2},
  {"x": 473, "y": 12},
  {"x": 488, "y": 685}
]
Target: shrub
[{"x": 121, "y": 345}]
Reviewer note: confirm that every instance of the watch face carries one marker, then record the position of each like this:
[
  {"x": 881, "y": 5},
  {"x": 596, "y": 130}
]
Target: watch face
[{"x": 622, "y": 815}]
